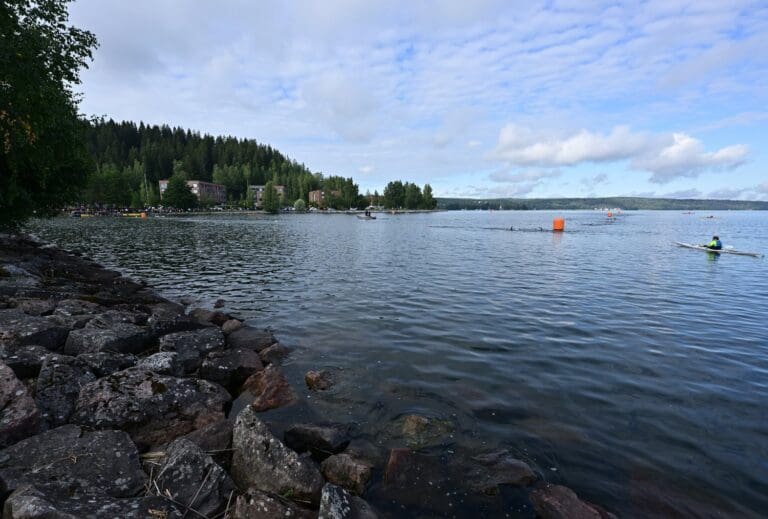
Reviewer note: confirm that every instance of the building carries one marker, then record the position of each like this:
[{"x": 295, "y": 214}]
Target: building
[
  {"x": 318, "y": 197},
  {"x": 258, "y": 193},
  {"x": 204, "y": 191}
]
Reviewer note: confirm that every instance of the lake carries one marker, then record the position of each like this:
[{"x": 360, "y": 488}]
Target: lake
[{"x": 612, "y": 361}]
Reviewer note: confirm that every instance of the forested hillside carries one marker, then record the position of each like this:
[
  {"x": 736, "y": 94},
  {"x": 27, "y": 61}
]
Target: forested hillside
[{"x": 130, "y": 159}]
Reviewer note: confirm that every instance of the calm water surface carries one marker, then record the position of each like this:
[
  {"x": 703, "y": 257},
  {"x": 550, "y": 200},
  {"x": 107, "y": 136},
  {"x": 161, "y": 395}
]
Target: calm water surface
[{"x": 632, "y": 370}]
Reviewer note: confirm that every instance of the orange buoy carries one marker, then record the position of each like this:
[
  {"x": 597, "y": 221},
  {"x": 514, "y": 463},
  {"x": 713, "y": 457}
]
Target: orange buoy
[
  {"x": 610, "y": 214},
  {"x": 558, "y": 224}
]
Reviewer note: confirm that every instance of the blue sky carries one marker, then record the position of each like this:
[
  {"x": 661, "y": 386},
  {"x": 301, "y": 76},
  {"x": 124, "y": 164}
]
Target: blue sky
[{"x": 479, "y": 99}]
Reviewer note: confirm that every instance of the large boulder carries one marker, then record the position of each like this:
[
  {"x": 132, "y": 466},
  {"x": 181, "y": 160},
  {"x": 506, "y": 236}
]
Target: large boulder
[
  {"x": 274, "y": 354},
  {"x": 559, "y": 502},
  {"x": 250, "y": 338},
  {"x": 154, "y": 409},
  {"x": 262, "y": 461},
  {"x": 75, "y": 313},
  {"x": 166, "y": 318},
  {"x": 318, "y": 380},
  {"x": 230, "y": 368},
  {"x": 18, "y": 328},
  {"x": 498, "y": 468},
  {"x": 164, "y": 362},
  {"x": 270, "y": 388},
  {"x": 58, "y": 385},
  {"x": 112, "y": 332},
  {"x": 37, "y": 307},
  {"x": 19, "y": 416},
  {"x": 25, "y": 361},
  {"x": 46, "y": 502},
  {"x": 346, "y": 471},
  {"x": 74, "y": 460},
  {"x": 337, "y": 503},
  {"x": 190, "y": 476},
  {"x": 192, "y": 346},
  {"x": 105, "y": 363},
  {"x": 321, "y": 440},
  {"x": 214, "y": 439},
  {"x": 255, "y": 504}
]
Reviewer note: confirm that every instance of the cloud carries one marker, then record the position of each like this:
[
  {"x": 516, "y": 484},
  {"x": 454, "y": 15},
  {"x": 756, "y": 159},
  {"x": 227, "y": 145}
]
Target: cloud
[
  {"x": 762, "y": 188},
  {"x": 596, "y": 180},
  {"x": 684, "y": 193},
  {"x": 366, "y": 169},
  {"x": 728, "y": 193},
  {"x": 666, "y": 156},
  {"x": 522, "y": 176}
]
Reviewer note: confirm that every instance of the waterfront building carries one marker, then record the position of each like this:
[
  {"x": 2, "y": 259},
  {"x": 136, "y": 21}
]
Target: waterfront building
[
  {"x": 319, "y": 196},
  {"x": 258, "y": 193},
  {"x": 204, "y": 191}
]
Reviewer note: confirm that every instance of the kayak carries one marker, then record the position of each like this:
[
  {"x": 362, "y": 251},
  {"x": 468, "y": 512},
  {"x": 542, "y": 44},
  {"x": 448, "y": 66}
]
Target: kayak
[
  {"x": 720, "y": 251},
  {"x": 363, "y": 217}
]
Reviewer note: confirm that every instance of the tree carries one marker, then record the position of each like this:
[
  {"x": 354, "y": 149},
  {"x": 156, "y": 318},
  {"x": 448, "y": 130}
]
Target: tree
[
  {"x": 412, "y": 199},
  {"x": 178, "y": 194},
  {"x": 43, "y": 157},
  {"x": 269, "y": 201},
  {"x": 300, "y": 205},
  {"x": 428, "y": 201},
  {"x": 394, "y": 195}
]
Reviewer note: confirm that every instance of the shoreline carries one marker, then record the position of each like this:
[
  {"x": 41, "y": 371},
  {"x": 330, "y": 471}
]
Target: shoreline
[{"x": 101, "y": 367}]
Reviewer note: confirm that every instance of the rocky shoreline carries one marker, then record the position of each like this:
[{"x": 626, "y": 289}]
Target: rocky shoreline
[{"x": 116, "y": 402}]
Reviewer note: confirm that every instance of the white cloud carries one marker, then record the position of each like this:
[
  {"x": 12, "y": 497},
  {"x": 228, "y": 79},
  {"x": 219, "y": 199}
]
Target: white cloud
[
  {"x": 522, "y": 176},
  {"x": 666, "y": 156},
  {"x": 683, "y": 193},
  {"x": 366, "y": 169}
]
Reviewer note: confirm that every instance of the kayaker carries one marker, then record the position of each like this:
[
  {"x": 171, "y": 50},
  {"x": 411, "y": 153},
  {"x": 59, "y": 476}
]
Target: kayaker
[{"x": 715, "y": 244}]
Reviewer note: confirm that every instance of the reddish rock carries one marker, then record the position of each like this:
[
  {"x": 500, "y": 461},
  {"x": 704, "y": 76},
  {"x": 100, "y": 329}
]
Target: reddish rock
[
  {"x": 19, "y": 416},
  {"x": 345, "y": 471},
  {"x": 559, "y": 502},
  {"x": 230, "y": 368},
  {"x": 274, "y": 354},
  {"x": 271, "y": 389},
  {"x": 318, "y": 380},
  {"x": 231, "y": 326}
]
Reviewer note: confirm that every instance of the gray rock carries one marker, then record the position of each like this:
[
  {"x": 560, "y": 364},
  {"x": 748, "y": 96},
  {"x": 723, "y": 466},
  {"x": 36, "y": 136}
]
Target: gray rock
[
  {"x": 154, "y": 409},
  {"x": 345, "y": 471},
  {"x": 60, "y": 380},
  {"x": 75, "y": 313},
  {"x": 322, "y": 440},
  {"x": 219, "y": 303},
  {"x": 194, "y": 479},
  {"x": 19, "y": 417},
  {"x": 421, "y": 431},
  {"x": 255, "y": 504},
  {"x": 318, "y": 380},
  {"x": 337, "y": 503},
  {"x": 110, "y": 332},
  {"x": 270, "y": 388},
  {"x": 32, "y": 502},
  {"x": 231, "y": 326},
  {"x": 250, "y": 338},
  {"x": 105, "y": 363},
  {"x": 230, "y": 368},
  {"x": 208, "y": 317},
  {"x": 193, "y": 346},
  {"x": 37, "y": 307},
  {"x": 498, "y": 468},
  {"x": 166, "y": 318},
  {"x": 75, "y": 460},
  {"x": 18, "y": 328},
  {"x": 274, "y": 354},
  {"x": 262, "y": 461},
  {"x": 25, "y": 361},
  {"x": 559, "y": 502},
  {"x": 214, "y": 439},
  {"x": 164, "y": 362}
]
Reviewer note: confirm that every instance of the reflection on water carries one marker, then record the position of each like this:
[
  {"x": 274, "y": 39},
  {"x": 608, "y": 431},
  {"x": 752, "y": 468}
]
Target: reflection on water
[{"x": 631, "y": 370}]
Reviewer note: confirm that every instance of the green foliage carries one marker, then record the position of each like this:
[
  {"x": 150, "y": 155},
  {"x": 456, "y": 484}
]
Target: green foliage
[
  {"x": 300, "y": 205},
  {"x": 407, "y": 195},
  {"x": 42, "y": 142},
  {"x": 428, "y": 201},
  {"x": 178, "y": 194},
  {"x": 249, "y": 200},
  {"x": 269, "y": 201},
  {"x": 394, "y": 195}
]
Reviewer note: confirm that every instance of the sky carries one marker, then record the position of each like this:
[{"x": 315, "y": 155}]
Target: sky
[{"x": 479, "y": 99}]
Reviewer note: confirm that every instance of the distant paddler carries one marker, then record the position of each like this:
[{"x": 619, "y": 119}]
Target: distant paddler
[{"x": 715, "y": 244}]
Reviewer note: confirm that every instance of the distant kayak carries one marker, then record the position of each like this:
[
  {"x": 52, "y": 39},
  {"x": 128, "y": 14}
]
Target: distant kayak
[
  {"x": 363, "y": 217},
  {"x": 718, "y": 251}
]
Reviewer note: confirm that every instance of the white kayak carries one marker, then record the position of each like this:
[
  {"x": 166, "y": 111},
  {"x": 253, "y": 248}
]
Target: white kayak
[{"x": 719, "y": 251}]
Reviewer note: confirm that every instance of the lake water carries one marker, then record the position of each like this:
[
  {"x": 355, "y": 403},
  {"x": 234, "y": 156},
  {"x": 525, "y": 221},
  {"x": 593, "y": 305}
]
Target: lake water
[{"x": 632, "y": 370}]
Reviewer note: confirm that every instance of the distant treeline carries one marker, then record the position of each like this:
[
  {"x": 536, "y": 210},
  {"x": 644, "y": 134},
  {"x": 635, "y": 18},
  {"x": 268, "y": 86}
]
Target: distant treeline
[
  {"x": 130, "y": 159},
  {"x": 627, "y": 203}
]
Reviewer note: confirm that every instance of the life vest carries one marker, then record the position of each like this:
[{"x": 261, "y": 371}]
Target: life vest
[{"x": 715, "y": 244}]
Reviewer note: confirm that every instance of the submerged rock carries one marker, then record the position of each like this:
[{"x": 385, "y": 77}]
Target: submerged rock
[
  {"x": 154, "y": 409},
  {"x": 318, "y": 380},
  {"x": 58, "y": 385},
  {"x": 498, "y": 468},
  {"x": 191, "y": 477},
  {"x": 261, "y": 461},
  {"x": 270, "y": 388},
  {"x": 274, "y": 354},
  {"x": 74, "y": 460},
  {"x": 345, "y": 471},
  {"x": 337, "y": 503},
  {"x": 250, "y": 338},
  {"x": 33, "y": 502},
  {"x": 559, "y": 502},
  {"x": 322, "y": 440},
  {"x": 420, "y": 431},
  {"x": 19, "y": 416},
  {"x": 255, "y": 504}
]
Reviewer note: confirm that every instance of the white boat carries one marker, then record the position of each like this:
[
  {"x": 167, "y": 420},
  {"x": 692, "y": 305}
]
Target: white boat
[
  {"x": 366, "y": 217},
  {"x": 718, "y": 251}
]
